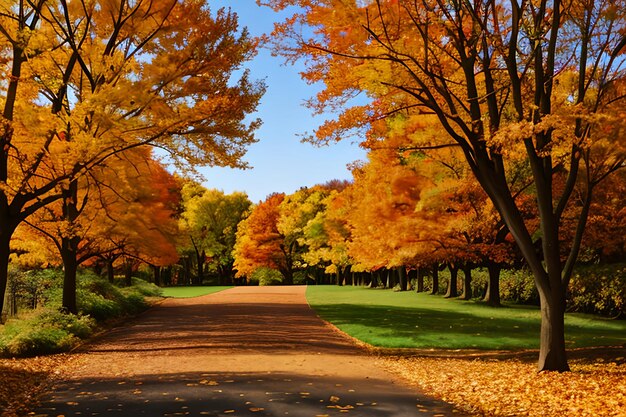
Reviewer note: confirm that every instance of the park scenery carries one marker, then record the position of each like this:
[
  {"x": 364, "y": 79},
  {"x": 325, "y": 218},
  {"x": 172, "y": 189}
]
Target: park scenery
[{"x": 473, "y": 264}]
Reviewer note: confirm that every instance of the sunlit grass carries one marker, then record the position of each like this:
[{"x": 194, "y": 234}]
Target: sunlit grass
[
  {"x": 188, "y": 292},
  {"x": 386, "y": 318}
]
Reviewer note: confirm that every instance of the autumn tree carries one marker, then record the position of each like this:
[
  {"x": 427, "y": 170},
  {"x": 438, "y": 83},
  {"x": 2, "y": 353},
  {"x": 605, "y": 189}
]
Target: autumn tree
[
  {"x": 326, "y": 235},
  {"x": 126, "y": 208},
  {"x": 260, "y": 244},
  {"x": 86, "y": 80},
  {"x": 540, "y": 81},
  {"x": 210, "y": 220}
]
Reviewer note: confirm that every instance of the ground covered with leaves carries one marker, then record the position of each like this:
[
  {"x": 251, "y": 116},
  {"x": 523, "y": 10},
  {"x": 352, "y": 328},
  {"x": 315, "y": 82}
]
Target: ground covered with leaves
[
  {"x": 21, "y": 380},
  {"x": 510, "y": 386}
]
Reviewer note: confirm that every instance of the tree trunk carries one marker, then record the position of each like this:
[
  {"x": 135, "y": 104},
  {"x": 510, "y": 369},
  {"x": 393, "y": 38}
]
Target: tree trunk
[
  {"x": 70, "y": 267},
  {"x": 128, "y": 273},
  {"x": 452, "y": 285},
  {"x": 492, "y": 297},
  {"x": 467, "y": 283},
  {"x": 420, "y": 280},
  {"x": 4, "y": 265},
  {"x": 69, "y": 248},
  {"x": 402, "y": 278},
  {"x": 435, "y": 289},
  {"x": 552, "y": 347},
  {"x": 110, "y": 271},
  {"x": 374, "y": 281},
  {"x": 156, "y": 273}
]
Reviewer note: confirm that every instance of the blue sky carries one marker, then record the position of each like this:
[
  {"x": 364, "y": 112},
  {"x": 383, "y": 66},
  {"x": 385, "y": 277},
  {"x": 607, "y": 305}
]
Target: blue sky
[{"x": 280, "y": 163}]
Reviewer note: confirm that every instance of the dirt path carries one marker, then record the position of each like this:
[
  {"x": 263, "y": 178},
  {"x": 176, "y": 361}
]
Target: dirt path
[{"x": 247, "y": 351}]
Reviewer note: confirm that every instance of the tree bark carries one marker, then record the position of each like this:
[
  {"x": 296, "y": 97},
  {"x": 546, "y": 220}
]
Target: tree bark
[
  {"x": 420, "y": 280},
  {"x": 435, "y": 288},
  {"x": 492, "y": 297},
  {"x": 156, "y": 273},
  {"x": 110, "y": 271},
  {"x": 452, "y": 291},
  {"x": 4, "y": 265},
  {"x": 552, "y": 347},
  {"x": 70, "y": 268},
  {"x": 69, "y": 248},
  {"x": 128, "y": 273},
  {"x": 467, "y": 283},
  {"x": 402, "y": 276}
]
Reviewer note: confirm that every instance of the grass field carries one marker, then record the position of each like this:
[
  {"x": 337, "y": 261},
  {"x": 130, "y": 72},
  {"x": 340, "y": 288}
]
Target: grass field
[
  {"x": 405, "y": 319},
  {"x": 188, "y": 292}
]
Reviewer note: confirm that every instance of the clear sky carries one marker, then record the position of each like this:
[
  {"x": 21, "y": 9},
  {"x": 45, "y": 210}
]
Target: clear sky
[{"x": 280, "y": 162}]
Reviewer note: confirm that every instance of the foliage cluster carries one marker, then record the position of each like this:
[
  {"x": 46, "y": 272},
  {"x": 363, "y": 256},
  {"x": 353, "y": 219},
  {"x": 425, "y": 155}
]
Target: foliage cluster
[
  {"x": 599, "y": 289},
  {"x": 48, "y": 329},
  {"x": 523, "y": 98}
]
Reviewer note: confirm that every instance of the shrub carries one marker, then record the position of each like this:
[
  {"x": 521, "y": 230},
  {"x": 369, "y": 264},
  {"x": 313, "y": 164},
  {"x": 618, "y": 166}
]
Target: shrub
[
  {"x": 518, "y": 286},
  {"x": 266, "y": 276},
  {"x": 599, "y": 289},
  {"x": 41, "y": 341},
  {"x": 79, "y": 325}
]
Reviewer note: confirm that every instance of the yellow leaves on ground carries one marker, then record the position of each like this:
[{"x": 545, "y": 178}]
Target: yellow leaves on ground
[
  {"x": 510, "y": 387},
  {"x": 21, "y": 380}
]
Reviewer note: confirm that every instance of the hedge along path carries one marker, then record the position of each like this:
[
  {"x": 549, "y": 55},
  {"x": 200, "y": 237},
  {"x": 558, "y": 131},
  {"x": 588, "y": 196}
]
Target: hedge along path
[{"x": 246, "y": 351}]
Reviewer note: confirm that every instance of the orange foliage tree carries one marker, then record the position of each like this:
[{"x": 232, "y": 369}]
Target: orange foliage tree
[
  {"x": 540, "y": 82},
  {"x": 85, "y": 80},
  {"x": 260, "y": 243},
  {"x": 125, "y": 208}
]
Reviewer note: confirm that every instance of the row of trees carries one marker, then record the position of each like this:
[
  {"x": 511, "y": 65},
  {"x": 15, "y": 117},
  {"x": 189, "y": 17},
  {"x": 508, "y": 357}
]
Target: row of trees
[
  {"x": 530, "y": 85},
  {"x": 87, "y": 86},
  {"x": 405, "y": 216}
]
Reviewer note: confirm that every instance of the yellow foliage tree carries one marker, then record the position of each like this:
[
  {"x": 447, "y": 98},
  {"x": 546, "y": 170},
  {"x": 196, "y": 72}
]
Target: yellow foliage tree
[
  {"x": 541, "y": 81},
  {"x": 86, "y": 80}
]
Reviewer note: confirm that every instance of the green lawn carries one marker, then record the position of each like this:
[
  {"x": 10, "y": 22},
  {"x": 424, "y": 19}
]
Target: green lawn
[
  {"x": 187, "y": 292},
  {"x": 405, "y": 319}
]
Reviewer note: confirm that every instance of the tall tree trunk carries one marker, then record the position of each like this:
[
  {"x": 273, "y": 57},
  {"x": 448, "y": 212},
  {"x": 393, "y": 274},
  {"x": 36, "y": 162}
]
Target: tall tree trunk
[
  {"x": 452, "y": 284},
  {"x": 492, "y": 297},
  {"x": 402, "y": 275},
  {"x": 70, "y": 268},
  {"x": 435, "y": 289},
  {"x": 128, "y": 273},
  {"x": 374, "y": 280},
  {"x": 4, "y": 265},
  {"x": 552, "y": 346},
  {"x": 110, "y": 271},
  {"x": 69, "y": 248},
  {"x": 420, "y": 279},
  {"x": 156, "y": 273},
  {"x": 467, "y": 283}
]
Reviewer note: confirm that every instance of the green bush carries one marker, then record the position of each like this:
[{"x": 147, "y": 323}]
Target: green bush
[
  {"x": 44, "y": 333},
  {"x": 49, "y": 331},
  {"x": 146, "y": 288},
  {"x": 41, "y": 341},
  {"x": 599, "y": 289},
  {"x": 266, "y": 276},
  {"x": 78, "y": 325},
  {"x": 518, "y": 286}
]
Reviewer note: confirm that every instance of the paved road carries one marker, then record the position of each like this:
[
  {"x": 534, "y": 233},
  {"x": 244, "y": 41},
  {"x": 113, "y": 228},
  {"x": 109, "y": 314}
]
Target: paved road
[{"x": 247, "y": 351}]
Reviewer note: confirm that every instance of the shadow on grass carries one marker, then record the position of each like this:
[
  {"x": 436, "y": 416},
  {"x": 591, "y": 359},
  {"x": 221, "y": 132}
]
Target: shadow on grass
[{"x": 417, "y": 327}]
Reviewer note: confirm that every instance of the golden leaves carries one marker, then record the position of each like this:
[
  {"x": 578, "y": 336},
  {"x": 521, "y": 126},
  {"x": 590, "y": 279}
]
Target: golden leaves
[{"x": 511, "y": 387}]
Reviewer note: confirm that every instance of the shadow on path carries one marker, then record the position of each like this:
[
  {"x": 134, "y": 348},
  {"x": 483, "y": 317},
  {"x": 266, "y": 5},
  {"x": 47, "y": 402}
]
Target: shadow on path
[{"x": 241, "y": 352}]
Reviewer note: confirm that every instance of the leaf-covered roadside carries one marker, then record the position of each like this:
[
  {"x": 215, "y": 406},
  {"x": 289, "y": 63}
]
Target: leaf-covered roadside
[
  {"x": 512, "y": 387},
  {"x": 21, "y": 380}
]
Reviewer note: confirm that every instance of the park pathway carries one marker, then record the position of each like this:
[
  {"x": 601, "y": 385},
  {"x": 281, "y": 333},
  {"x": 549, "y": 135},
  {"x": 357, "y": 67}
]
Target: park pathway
[{"x": 246, "y": 351}]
